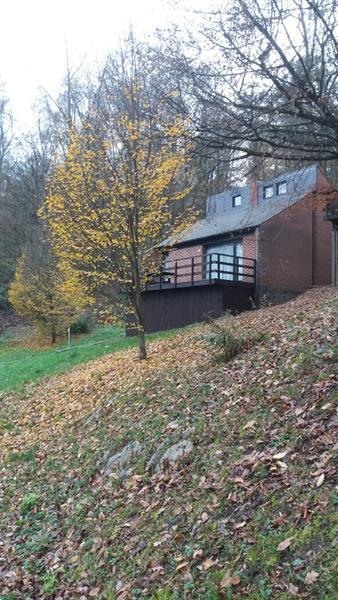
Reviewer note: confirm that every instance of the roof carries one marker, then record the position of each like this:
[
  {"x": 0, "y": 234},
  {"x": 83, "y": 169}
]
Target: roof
[{"x": 222, "y": 217}]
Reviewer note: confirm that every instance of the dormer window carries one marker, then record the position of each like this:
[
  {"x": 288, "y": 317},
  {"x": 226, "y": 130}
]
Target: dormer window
[
  {"x": 268, "y": 191},
  {"x": 237, "y": 200},
  {"x": 281, "y": 188}
]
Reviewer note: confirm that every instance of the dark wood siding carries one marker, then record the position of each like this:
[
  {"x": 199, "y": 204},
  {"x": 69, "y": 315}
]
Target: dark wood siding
[{"x": 178, "y": 307}]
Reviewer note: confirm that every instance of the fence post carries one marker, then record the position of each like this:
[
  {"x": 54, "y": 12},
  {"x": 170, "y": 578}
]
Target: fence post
[{"x": 235, "y": 268}]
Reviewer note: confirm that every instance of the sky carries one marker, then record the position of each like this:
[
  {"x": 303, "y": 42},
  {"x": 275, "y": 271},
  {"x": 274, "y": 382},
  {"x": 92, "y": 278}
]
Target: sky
[{"x": 35, "y": 36}]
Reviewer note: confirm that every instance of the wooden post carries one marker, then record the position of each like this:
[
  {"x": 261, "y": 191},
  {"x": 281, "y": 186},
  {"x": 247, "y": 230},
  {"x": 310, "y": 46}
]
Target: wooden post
[
  {"x": 218, "y": 266},
  {"x": 235, "y": 268},
  {"x": 175, "y": 273},
  {"x": 192, "y": 270}
]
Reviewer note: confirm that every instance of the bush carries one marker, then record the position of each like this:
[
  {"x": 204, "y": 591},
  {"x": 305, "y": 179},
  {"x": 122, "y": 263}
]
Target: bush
[
  {"x": 84, "y": 324},
  {"x": 232, "y": 342}
]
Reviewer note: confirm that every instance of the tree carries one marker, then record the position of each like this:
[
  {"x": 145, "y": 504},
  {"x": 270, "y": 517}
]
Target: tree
[
  {"x": 110, "y": 200},
  {"x": 6, "y": 135},
  {"x": 261, "y": 79},
  {"x": 47, "y": 292}
]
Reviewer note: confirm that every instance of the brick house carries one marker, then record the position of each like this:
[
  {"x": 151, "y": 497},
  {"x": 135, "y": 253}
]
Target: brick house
[{"x": 267, "y": 239}]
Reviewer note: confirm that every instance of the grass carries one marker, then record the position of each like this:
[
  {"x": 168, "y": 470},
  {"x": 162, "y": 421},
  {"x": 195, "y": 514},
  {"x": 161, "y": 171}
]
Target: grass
[
  {"x": 222, "y": 511},
  {"x": 22, "y": 365}
]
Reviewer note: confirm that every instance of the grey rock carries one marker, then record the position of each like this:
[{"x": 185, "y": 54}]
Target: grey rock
[
  {"x": 174, "y": 453},
  {"x": 121, "y": 458},
  {"x": 156, "y": 457}
]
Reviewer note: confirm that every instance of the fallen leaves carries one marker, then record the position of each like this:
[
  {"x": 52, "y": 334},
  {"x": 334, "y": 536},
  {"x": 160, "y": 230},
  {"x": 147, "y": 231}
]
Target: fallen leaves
[
  {"x": 284, "y": 545},
  {"x": 261, "y": 453},
  {"x": 320, "y": 480},
  {"x": 280, "y": 455},
  {"x": 229, "y": 579},
  {"x": 293, "y": 590},
  {"x": 311, "y": 577}
]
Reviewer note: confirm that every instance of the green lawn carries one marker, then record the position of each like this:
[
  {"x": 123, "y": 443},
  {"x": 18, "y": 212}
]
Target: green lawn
[{"x": 19, "y": 365}]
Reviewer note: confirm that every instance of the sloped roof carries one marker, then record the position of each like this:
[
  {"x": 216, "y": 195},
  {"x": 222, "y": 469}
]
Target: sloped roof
[{"x": 223, "y": 218}]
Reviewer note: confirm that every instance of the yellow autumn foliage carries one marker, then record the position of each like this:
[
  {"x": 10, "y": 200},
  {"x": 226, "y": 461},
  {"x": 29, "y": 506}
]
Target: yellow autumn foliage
[
  {"x": 111, "y": 200},
  {"x": 50, "y": 295}
]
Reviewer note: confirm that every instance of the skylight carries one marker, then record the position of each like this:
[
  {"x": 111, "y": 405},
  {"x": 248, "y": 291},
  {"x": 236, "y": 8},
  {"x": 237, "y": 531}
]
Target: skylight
[
  {"x": 268, "y": 191},
  {"x": 237, "y": 200},
  {"x": 281, "y": 188}
]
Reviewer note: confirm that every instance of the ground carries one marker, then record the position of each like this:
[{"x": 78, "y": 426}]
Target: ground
[
  {"x": 24, "y": 358},
  {"x": 249, "y": 512}
]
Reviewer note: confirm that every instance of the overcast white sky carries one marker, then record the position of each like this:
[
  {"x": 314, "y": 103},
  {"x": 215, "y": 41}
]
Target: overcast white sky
[{"x": 34, "y": 35}]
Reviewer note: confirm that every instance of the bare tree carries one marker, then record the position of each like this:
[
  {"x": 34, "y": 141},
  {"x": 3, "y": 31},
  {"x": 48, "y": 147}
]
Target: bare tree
[
  {"x": 261, "y": 79},
  {"x": 6, "y": 135}
]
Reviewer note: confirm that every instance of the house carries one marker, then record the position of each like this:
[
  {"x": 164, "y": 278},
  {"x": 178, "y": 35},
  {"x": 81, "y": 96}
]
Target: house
[{"x": 266, "y": 240}]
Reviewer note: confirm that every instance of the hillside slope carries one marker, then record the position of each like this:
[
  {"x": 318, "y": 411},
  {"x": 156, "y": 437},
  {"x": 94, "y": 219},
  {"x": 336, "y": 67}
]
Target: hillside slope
[{"x": 245, "y": 508}]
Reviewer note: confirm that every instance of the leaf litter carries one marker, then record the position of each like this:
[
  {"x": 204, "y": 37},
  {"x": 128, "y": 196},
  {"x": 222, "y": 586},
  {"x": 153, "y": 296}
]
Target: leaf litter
[{"x": 250, "y": 510}]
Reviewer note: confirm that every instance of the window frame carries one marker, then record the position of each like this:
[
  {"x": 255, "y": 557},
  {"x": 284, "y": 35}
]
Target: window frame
[
  {"x": 279, "y": 184},
  {"x": 234, "y": 205},
  {"x": 237, "y": 271},
  {"x": 265, "y": 188}
]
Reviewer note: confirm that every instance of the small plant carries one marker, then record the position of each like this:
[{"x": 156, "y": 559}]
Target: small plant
[
  {"x": 50, "y": 584},
  {"x": 229, "y": 340},
  {"x": 29, "y": 502}
]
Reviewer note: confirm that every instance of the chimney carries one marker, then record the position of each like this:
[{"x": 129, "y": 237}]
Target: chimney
[{"x": 253, "y": 192}]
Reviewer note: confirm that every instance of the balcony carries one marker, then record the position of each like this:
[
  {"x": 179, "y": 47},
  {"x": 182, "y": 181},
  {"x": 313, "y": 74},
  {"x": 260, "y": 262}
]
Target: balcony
[{"x": 201, "y": 270}]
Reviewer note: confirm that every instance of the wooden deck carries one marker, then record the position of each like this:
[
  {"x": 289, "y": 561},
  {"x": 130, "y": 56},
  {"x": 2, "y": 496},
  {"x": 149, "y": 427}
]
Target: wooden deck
[
  {"x": 203, "y": 269},
  {"x": 197, "y": 289}
]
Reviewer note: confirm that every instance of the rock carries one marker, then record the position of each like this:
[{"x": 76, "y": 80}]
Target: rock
[
  {"x": 156, "y": 457},
  {"x": 122, "y": 458},
  {"x": 174, "y": 453}
]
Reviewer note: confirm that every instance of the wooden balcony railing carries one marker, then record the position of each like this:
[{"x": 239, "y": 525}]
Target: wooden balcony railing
[{"x": 203, "y": 269}]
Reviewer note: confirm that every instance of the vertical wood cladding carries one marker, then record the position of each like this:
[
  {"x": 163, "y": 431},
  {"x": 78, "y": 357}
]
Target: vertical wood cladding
[{"x": 178, "y": 307}]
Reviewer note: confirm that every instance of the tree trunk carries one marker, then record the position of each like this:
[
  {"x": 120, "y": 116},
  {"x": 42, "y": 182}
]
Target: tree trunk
[{"x": 142, "y": 343}]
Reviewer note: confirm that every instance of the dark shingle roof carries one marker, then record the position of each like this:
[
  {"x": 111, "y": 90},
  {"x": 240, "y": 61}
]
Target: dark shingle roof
[{"x": 222, "y": 217}]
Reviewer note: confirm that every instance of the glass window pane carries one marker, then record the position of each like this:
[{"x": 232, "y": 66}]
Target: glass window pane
[
  {"x": 281, "y": 188},
  {"x": 268, "y": 191}
]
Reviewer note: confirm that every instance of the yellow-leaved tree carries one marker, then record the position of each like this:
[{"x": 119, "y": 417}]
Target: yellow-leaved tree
[
  {"x": 48, "y": 293},
  {"x": 110, "y": 201}
]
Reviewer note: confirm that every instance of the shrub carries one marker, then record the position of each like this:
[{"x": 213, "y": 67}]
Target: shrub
[
  {"x": 231, "y": 341},
  {"x": 47, "y": 292},
  {"x": 84, "y": 324}
]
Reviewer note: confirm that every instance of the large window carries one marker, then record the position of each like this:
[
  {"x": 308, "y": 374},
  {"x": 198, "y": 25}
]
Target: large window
[{"x": 225, "y": 261}]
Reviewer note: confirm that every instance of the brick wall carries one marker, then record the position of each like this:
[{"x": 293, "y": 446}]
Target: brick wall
[
  {"x": 249, "y": 251},
  {"x": 295, "y": 249},
  {"x": 183, "y": 257},
  {"x": 322, "y": 248}
]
